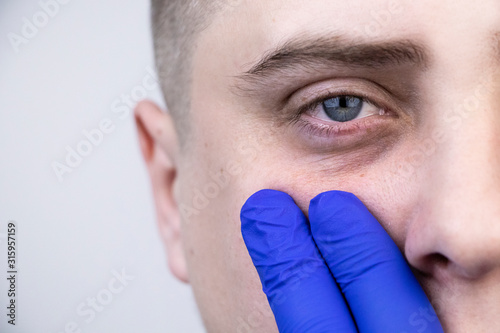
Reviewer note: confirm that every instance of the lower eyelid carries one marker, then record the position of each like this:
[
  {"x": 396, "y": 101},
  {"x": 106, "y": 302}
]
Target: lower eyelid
[
  {"x": 314, "y": 136},
  {"x": 331, "y": 123},
  {"x": 355, "y": 130}
]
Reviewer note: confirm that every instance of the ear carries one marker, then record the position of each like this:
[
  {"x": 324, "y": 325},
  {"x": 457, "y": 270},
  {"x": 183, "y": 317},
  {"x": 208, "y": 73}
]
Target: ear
[{"x": 158, "y": 141}]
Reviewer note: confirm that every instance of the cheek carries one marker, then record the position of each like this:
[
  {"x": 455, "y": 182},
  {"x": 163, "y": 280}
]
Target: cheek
[
  {"x": 225, "y": 178},
  {"x": 389, "y": 195},
  {"x": 224, "y": 280}
]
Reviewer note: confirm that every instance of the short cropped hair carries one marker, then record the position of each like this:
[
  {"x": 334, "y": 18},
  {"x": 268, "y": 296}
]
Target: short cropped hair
[{"x": 176, "y": 25}]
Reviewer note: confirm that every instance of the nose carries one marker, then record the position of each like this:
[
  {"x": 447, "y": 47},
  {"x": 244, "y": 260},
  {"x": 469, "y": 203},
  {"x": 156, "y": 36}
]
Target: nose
[{"x": 455, "y": 230}]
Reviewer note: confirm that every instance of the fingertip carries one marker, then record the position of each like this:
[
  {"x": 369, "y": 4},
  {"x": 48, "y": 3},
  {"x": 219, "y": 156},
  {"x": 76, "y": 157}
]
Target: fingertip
[
  {"x": 329, "y": 204},
  {"x": 330, "y": 197},
  {"x": 345, "y": 231},
  {"x": 262, "y": 201},
  {"x": 263, "y": 195}
]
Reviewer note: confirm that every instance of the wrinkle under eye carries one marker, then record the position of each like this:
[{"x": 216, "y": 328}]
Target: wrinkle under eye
[{"x": 343, "y": 108}]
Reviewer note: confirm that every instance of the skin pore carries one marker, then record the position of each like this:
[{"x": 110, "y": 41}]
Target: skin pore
[{"x": 423, "y": 157}]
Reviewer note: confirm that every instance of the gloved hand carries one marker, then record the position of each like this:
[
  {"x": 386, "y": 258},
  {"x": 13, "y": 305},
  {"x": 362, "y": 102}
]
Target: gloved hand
[{"x": 339, "y": 271}]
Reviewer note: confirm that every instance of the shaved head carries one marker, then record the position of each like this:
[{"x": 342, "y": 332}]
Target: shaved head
[{"x": 176, "y": 24}]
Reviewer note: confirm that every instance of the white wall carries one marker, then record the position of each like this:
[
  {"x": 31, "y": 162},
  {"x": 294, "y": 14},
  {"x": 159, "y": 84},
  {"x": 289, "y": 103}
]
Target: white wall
[{"x": 72, "y": 234}]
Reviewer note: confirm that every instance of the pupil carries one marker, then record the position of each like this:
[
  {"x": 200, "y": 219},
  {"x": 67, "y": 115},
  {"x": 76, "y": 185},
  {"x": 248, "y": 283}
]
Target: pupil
[{"x": 343, "y": 108}]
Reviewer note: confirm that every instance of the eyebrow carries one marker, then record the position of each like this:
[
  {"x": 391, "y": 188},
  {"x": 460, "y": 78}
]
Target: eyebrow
[{"x": 312, "y": 53}]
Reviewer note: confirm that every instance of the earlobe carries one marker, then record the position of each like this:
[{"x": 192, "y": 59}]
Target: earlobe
[{"x": 158, "y": 142}]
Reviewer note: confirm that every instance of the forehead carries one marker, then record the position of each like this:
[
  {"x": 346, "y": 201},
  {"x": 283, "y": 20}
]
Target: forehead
[{"x": 247, "y": 29}]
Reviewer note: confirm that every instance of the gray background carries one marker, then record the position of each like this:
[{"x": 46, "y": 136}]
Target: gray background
[{"x": 73, "y": 234}]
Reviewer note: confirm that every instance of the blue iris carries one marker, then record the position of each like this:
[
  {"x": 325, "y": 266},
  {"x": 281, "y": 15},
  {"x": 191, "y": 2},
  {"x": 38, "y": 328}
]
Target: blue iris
[{"x": 343, "y": 108}]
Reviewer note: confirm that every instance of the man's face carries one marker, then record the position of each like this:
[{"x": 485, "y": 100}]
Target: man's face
[{"x": 422, "y": 154}]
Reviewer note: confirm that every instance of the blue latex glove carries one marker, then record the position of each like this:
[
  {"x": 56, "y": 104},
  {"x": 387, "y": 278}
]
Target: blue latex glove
[{"x": 338, "y": 272}]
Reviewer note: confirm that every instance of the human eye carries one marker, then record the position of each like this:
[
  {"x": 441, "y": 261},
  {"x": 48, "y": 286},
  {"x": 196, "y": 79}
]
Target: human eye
[
  {"x": 343, "y": 111},
  {"x": 345, "y": 108}
]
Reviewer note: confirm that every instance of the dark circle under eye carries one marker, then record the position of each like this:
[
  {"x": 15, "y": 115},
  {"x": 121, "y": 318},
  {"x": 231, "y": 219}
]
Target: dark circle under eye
[{"x": 343, "y": 108}]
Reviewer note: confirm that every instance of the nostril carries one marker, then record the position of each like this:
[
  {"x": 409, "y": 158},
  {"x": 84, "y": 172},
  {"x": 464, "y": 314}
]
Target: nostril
[
  {"x": 434, "y": 262},
  {"x": 438, "y": 259},
  {"x": 442, "y": 267}
]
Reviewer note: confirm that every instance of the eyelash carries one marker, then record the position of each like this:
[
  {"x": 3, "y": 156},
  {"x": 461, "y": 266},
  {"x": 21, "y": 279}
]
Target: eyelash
[{"x": 339, "y": 128}]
